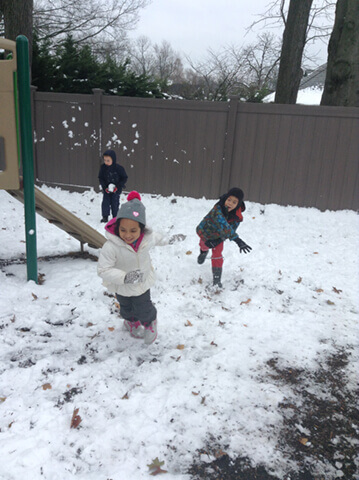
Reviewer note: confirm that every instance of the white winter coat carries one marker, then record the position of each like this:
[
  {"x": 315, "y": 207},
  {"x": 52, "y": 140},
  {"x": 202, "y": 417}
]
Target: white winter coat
[{"x": 117, "y": 258}]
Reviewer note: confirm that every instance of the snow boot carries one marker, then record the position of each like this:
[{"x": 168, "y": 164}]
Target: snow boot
[
  {"x": 135, "y": 328},
  {"x": 104, "y": 219},
  {"x": 202, "y": 256},
  {"x": 217, "y": 273},
  {"x": 150, "y": 332}
]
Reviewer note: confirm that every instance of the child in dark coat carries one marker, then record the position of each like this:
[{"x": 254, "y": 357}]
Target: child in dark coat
[
  {"x": 112, "y": 178},
  {"x": 218, "y": 225}
]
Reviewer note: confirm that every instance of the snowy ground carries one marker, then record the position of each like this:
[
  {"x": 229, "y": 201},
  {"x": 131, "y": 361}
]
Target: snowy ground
[{"x": 229, "y": 374}]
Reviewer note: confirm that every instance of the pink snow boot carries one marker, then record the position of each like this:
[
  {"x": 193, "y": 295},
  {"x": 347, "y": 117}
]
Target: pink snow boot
[
  {"x": 135, "y": 328},
  {"x": 151, "y": 332}
]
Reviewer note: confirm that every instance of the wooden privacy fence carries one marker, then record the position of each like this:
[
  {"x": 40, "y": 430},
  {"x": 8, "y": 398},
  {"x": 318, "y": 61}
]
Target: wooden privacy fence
[{"x": 285, "y": 154}]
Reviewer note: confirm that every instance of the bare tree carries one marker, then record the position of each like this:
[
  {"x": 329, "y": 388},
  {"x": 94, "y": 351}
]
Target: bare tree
[
  {"x": 142, "y": 57},
  {"x": 262, "y": 60},
  {"x": 342, "y": 79},
  {"x": 168, "y": 63},
  {"x": 85, "y": 19}
]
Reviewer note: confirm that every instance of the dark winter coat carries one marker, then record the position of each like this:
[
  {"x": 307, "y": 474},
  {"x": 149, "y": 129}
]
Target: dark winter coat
[
  {"x": 219, "y": 223},
  {"x": 114, "y": 173}
]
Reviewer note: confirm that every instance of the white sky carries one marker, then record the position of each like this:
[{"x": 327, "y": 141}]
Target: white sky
[{"x": 194, "y": 26}]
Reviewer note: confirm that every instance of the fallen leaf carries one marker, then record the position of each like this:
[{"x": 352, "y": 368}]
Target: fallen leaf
[
  {"x": 180, "y": 347},
  {"x": 34, "y": 296},
  {"x": 303, "y": 440},
  {"x": 125, "y": 397},
  {"x": 299, "y": 280},
  {"x": 203, "y": 400},
  {"x": 315, "y": 253},
  {"x": 200, "y": 281},
  {"x": 188, "y": 324},
  {"x": 330, "y": 302},
  {"x": 245, "y": 302},
  {"x": 319, "y": 290},
  {"x": 156, "y": 467},
  {"x": 76, "y": 419},
  {"x": 221, "y": 323},
  {"x": 111, "y": 329},
  {"x": 336, "y": 290},
  {"x": 89, "y": 324},
  {"x": 46, "y": 386},
  {"x": 244, "y": 325},
  {"x": 188, "y": 252},
  {"x": 2, "y": 399},
  {"x": 195, "y": 393},
  {"x": 214, "y": 344}
]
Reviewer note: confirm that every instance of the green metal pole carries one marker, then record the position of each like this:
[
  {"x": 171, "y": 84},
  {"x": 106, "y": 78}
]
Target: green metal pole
[{"x": 22, "y": 50}]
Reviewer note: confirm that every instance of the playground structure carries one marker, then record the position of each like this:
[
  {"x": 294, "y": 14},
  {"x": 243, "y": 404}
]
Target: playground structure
[{"x": 16, "y": 142}]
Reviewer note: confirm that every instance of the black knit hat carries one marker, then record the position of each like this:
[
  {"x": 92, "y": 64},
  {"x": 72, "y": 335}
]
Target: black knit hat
[{"x": 235, "y": 192}]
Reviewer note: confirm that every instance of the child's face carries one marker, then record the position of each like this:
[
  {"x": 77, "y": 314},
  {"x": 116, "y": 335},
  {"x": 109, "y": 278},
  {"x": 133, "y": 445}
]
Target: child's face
[
  {"x": 107, "y": 160},
  {"x": 129, "y": 230},
  {"x": 231, "y": 203}
]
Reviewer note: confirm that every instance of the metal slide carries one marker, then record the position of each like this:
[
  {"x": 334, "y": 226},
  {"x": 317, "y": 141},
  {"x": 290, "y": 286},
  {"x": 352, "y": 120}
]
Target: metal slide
[{"x": 62, "y": 218}]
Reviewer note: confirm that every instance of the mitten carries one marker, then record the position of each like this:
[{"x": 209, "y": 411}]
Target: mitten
[
  {"x": 136, "y": 276},
  {"x": 213, "y": 243},
  {"x": 243, "y": 247},
  {"x": 179, "y": 237}
]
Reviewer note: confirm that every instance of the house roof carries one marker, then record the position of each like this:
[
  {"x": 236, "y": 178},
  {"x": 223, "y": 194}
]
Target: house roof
[{"x": 314, "y": 79}]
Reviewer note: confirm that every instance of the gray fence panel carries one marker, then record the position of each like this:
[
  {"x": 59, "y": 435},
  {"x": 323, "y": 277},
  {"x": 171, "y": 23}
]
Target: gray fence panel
[{"x": 284, "y": 154}]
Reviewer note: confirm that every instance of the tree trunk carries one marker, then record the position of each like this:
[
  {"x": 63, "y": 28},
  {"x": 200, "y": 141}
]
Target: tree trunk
[
  {"x": 290, "y": 72},
  {"x": 342, "y": 79},
  {"x": 18, "y": 19}
]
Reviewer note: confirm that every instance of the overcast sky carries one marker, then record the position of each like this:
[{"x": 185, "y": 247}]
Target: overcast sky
[{"x": 194, "y": 26}]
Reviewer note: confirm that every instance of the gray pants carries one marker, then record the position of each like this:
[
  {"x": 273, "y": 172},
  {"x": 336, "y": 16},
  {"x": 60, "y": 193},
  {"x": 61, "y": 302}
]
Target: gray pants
[{"x": 138, "y": 308}]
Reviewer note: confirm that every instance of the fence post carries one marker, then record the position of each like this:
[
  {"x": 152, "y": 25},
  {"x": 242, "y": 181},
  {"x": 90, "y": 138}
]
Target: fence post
[
  {"x": 229, "y": 144},
  {"x": 97, "y": 122}
]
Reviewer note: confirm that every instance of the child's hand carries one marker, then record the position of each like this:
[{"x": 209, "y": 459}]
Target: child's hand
[
  {"x": 243, "y": 247},
  {"x": 136, "y": 276},
  {"x": 179, "y": 237}
]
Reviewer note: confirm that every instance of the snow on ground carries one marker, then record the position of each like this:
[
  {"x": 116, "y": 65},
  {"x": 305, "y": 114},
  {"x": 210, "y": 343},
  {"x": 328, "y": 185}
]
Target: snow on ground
[{"x": 293, "y": 299}]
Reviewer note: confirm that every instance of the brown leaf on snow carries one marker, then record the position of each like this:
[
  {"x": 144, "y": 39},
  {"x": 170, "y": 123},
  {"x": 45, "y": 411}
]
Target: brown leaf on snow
[
  {"x": 214, "y": 344},
  {"x": 319, "y": 290},
  {"x": 111, "y": 329},
  {"x": 180, "y": 347},
  {"x": 156, "y": 467},
  {"x": 76, "y": 419},
  {"x": 245, "y": 302},
  {"x": 195, "y": 393},
  {"x": 336, "y": 290},
  {"x": 329, "y": 302},
  {"x": 125, "y": 397},
  {"x": 47, "y": 386},
  {"x": 34, "y": 296},
  {"x": 188, "y": 252},
  {"x": 2, "y": 399},
  {"x": 303, "y": 440},
  {"x": 188, "y": 324},
  {"x": 299, "y": 280}
]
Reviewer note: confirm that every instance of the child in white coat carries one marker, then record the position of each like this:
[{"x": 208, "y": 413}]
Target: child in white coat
[{"x": 125, "y": 267}]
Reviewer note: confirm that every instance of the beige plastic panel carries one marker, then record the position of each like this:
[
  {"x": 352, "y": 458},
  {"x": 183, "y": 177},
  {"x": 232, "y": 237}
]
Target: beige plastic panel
[{"x": 9, "y": 170}]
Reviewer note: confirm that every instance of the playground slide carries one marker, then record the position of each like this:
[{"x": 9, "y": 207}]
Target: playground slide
[{"x": 62, "y": 218}]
